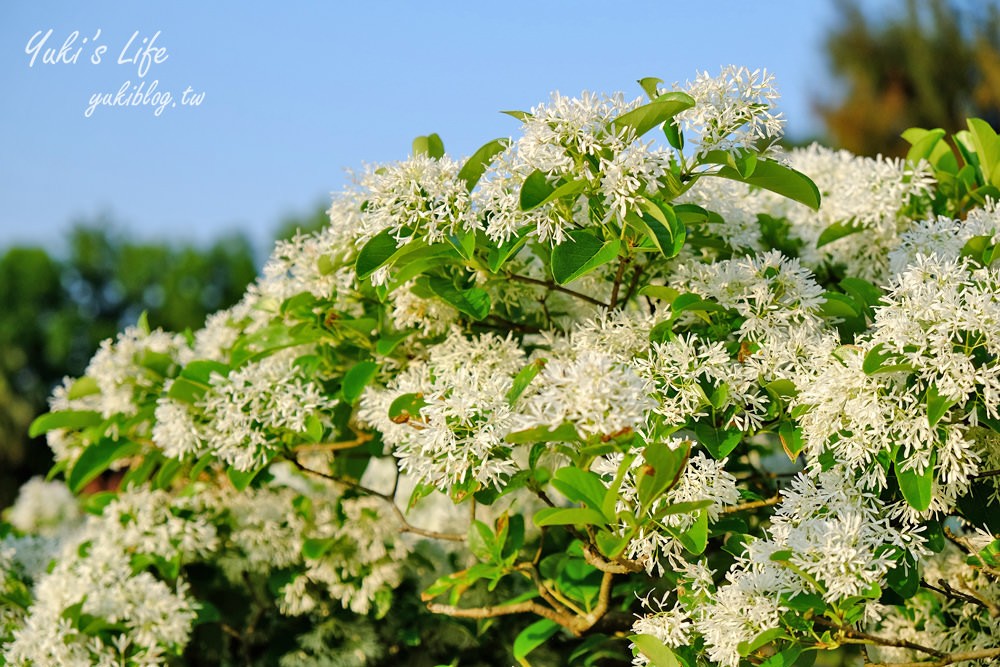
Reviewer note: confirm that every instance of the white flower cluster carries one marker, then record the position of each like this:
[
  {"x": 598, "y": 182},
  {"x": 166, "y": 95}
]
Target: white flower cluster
[
  {"x": 827, "y": 539},
  {"x": 43, "y": 508},
  {"x": 457, "y": 433},
  {"x": 244, "y": 415},
  {"x": 733, "y": 110},
  {"x": 421, "y": 197},
  {"x": 99, "y": 582}
]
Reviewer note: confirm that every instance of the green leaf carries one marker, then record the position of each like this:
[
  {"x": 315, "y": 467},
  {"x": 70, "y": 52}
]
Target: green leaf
[
  {"x": 695, "y": 538},
  {"x": 407, "y": 405},
  {"x": 520, "y": 115},
  {"x": 534, "y": 190},
  {"x": 474, "y": 301},
  {"x": 987, "y": 145},
  {"x": 684, "y": 507},
  {"x": 718, "y": 441},
  {"x": 904, "y": 577},
  {"x": 791, "y": 439},
  {"x": 916, "y": 487},
  {"x": 96, "y": 458},
  {"x": 580, "y": 254},
  {"x": 523, "y": 379},
  {"x": 316, "y": 548},
  {"x": 662, "y": 227},
  {"x": 241, "y": 479},
  {"x": 655, "y": 651},
  {"x": 82, "y": 387},
  {"x": 661, "y": 471},
  {"x": 356, "y": 379},
  {"x": 580, "y": 486},
  {"x": 430, "y": 145},
  {"x": 836, "y": 231},
  {"x": 375, "y": 254},
  {"x": 69, "y": 419},
  {"x": 875, "y": 362},
  {"x": 766, "y": 637},
  {"x": 499, "y": 255},
  {"x": 937, "y": 405},
  {"x": 478, "y": 162},
  {"x": 648, "y": 116},
  {"x": 532, "y": 637},
  {"x": 778, "y": 178},
  {"x": 565, "y": 432},
  {"x": 537, "y": 190},
  {"x": 649, "y": 86},
  {"x": 569, "y": 516}
]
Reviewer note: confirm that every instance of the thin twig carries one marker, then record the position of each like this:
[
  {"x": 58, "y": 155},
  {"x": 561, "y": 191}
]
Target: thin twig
[
  {"x": 618, "y": 281},
  {"x": 633, "y": 284},
  {"x": 946, "y": 659},
  {"x": 986, "y": 473},
  {"x": 557, "y": 287},
  {"x": 528, "y": 607},
  {"x": 334, "y": 446},
  {"x": 852, "y": 636},
  {"x": 406, "y": 526},
  {"x": 767, "y": 502}
]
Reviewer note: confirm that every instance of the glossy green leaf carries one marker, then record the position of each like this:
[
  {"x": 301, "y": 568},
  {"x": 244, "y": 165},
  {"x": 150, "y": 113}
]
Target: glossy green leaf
[
  {"x": 532, "y": 637},
  {"x": 776, "y": 177},
  {"x": 375, "y": 253},
  {"x": 581, "y": 253},
  {"x": 651, "y": 114},
  {"x": 96, "y": 458},
  {"x": 474, "y": 301},
  {"x": 479, "y": 162},
  {"x": 537, "y": 190},
  {"x": 662, "y": 227},
  {"x": 580, "y": 486},
  {"x": 241, "y": 479},
  {"x": 937, "y": 405},
  {"x": 916, "y": 486},
  {"x": 655, "y": 651},
  {"x": 569, "y": 516},
  {"x": 650, "y": 85},
  {"x": 695, "y": 538},
  {"x": 563, "y": 433},
  {"x": 430, "y": 145},
  {"x": 837, "y": 231},
  {"x": 523, "y": 379},
  {"x": 68, "y": 419},
  {"x": 661, "y": 471},
  {"x": 356, "y": 379}
]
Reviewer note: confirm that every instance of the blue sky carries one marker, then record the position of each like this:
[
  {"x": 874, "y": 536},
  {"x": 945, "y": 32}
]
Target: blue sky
[{"x": 297, "y": 93}]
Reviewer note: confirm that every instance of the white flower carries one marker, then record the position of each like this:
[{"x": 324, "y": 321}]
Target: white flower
[{"x": 733, "y": 110}]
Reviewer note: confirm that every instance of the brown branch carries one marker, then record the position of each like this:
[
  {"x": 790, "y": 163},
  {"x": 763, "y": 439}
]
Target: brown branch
[
  {"x": 528, "y": 607},
  {"x": 405, "y": 525},
  {"x": 335, "y": 446},
  {"x": 968, "y": 596},
  {"x": 986, "y": 473},
  {"x": 557, "y": 287},
  {"x": 945, "y": 659},
  {"x": 767, "y": 502},
  {"x": 852, "y": 636},
  {"x": 617, "y": 566},
  {"x": 618, "y": 281},
  {"x": 633, "y": 284}
]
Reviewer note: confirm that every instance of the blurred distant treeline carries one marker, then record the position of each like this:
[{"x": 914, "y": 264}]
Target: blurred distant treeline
[
  {"x": 928, "y": 63},
  {"x": 55, "y": 309}
]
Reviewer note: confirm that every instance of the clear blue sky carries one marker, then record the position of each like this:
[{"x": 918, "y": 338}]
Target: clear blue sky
[{"x": 296, "y": 93}]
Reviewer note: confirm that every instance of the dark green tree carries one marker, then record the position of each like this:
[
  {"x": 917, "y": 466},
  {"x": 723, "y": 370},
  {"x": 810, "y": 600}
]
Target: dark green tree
[
  {"x": 56, "y": 310},
  {"x": 925, "y": 63}
]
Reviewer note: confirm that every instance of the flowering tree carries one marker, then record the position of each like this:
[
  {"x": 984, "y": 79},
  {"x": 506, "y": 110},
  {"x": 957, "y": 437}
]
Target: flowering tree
[{"x": 634, "y": 386}]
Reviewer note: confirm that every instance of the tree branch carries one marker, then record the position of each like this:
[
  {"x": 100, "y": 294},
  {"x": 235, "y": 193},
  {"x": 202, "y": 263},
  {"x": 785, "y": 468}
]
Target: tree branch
[
  {"x": 406, "y": 526},
  {"x": 557, "y": 287},
  {"x": 945, "y": 659},
  {"x": 851, "y": 636},
  {"x": 618, "y": 281},
  {"x": 755, "y": 504}
]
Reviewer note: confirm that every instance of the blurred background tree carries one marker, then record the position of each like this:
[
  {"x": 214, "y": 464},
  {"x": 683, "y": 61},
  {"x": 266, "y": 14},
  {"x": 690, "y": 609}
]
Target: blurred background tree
[
  {"x": 57, "y": 309},
  {"x": 924, "y": 63}
]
